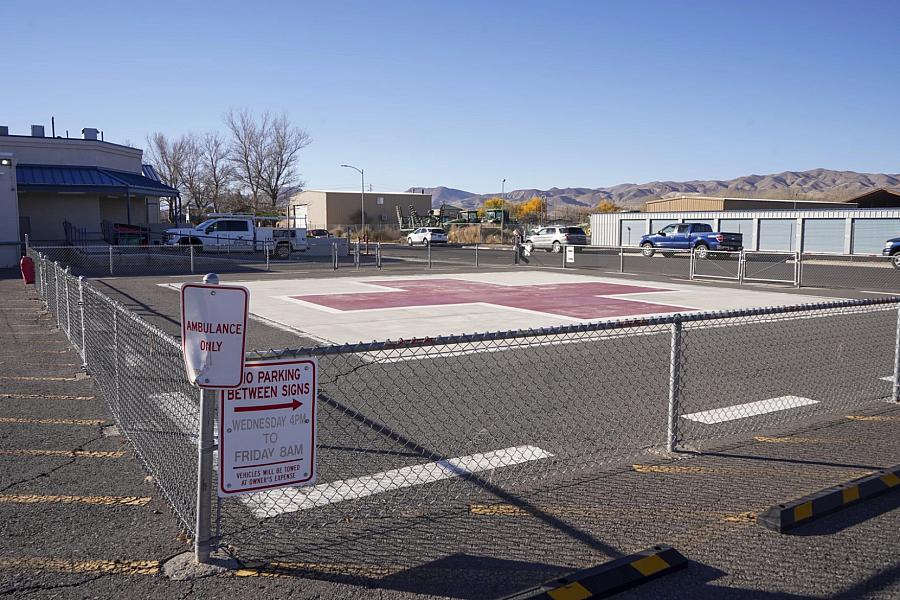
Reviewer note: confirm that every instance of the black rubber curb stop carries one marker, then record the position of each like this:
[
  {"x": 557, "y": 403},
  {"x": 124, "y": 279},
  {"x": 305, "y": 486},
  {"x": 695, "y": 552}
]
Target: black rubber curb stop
[
  {"x": 783, "y": 517},
  {"x": 609, "y": 578}
]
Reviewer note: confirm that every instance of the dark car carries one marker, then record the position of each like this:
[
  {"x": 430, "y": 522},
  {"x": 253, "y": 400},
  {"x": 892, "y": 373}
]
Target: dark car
[
  {"x": 892, "y": 249},
  {"x": 318, "y": 233}
]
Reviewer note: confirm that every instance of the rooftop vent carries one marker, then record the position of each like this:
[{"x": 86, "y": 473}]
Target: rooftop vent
[
  {"x": 90, "y": 133},
  {"x": 4, "y": 130},
  {"x": 37, "y": 131}
]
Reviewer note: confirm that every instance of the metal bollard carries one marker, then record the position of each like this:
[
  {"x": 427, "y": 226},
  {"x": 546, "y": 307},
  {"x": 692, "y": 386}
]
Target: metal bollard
[{"x": 674, "y": 385}]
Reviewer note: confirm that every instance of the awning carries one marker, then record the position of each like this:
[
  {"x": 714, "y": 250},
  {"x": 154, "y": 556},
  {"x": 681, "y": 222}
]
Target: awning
[{"x": 33, "y": 178}]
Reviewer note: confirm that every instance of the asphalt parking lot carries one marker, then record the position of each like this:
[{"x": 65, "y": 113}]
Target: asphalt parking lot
[{"x": 514, "y": 536}]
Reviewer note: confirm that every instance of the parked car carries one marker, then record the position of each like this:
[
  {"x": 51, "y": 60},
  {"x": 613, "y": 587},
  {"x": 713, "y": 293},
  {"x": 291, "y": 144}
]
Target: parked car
[
  {"x": 892, "y": 249},
  {"x": 554, "y": 237},
  {"x": 686, "y": 236},
  {"x": 318, "y": 233},
  {"x": 427, "y": 236}
]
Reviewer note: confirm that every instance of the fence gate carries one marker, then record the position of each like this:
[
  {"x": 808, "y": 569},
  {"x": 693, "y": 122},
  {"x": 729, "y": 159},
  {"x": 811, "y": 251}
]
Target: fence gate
[
  {"x": 717, "y": 265},
  {"x": 771, "y": 267}
]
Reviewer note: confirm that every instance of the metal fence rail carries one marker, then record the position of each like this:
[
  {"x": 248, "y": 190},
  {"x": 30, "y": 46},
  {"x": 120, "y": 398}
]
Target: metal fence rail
[{"x": 413, "y": 426}]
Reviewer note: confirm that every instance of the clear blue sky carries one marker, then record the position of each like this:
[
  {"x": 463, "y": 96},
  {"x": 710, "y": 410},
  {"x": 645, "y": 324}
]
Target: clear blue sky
[{"x": 463, "y": 94}]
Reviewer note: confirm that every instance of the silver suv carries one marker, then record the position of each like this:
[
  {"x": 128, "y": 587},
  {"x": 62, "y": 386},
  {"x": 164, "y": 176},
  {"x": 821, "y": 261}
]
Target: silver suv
[{"x": 554, "y": 237}]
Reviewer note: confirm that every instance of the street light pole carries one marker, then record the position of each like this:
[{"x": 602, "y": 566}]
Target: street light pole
[
  {"x": 362, "y": 199},
  {"x": 502, "y": 206}
]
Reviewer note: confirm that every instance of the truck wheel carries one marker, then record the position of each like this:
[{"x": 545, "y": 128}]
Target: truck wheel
[
  {"x": 701, "y": 251},
  {"x": 647, "y": 249},
  {"x": 895, "y": 260},
  {"x": 557, "y": 248},
  {"x": 282, "y": 251}
]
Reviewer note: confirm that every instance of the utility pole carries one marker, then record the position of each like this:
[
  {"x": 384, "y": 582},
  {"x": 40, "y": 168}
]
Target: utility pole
[{"x": 362, "y": 199}]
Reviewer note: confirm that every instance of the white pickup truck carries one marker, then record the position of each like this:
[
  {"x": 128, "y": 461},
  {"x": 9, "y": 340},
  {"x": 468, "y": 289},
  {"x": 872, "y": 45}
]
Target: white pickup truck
[{"x": 239, "y": 233}]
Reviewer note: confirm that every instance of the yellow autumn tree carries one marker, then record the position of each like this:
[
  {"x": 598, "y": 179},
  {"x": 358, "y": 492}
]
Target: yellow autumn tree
[
  {"x": 493, "y": 203},
  {"x": 533, "y": 208},
  {"x": 606, "y": 206}
]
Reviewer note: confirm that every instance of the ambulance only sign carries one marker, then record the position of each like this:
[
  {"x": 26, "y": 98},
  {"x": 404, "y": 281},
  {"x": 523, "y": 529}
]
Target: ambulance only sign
[
  {"x": 213, "y": 332},
  {"x": 267, "y": 428}
]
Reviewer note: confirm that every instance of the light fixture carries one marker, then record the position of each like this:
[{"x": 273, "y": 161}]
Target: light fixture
[{"x": 5, "y": 162}]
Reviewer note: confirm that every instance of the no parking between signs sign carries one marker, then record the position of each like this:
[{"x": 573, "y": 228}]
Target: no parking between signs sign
[{"x": 267, "y": 428}]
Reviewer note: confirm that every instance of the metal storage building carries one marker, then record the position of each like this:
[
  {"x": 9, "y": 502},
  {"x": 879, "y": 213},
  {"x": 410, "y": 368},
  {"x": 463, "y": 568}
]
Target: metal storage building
[
  {"x": 694, "y": 203},
  {"x": 844, "y": 231}
]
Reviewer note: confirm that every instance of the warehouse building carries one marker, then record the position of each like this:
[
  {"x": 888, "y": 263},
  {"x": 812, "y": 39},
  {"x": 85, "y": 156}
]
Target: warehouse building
[
  {"x": 834, "y": 229},
  {"x": 340, "y": 209},
  {"x": 697, "y": 203},
  {"x": 52, "y": 188}
]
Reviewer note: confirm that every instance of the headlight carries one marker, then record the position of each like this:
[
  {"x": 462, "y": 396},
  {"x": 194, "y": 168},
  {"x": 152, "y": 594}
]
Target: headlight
[{"x": 888, "y": 244}]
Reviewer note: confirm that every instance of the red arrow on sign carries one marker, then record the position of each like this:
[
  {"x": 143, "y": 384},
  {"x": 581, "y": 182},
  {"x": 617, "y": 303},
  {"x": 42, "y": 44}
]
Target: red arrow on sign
[{"x": 293, "y": 405}]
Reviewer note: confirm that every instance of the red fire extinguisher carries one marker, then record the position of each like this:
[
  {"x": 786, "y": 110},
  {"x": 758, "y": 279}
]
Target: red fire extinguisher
[{"x": 27, "y": 267}]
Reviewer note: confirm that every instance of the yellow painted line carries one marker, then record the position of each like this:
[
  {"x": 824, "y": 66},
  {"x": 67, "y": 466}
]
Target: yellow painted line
[
  {"x": 571, "y": 591},
  {"x": 676, "y": 469},
  {"x": 803, "y": 511},
  {"x": 76, "y": 422},
  {"x": 62, "y": 565},
  {"x": 32, "y": 378},
  {"x": 792, "y": 440},
  {"x": 873, "y": 417},
  {"x": 44, "y": 397},
  {"x": 292, "y": 569},
  {"x": 91, "y": 500},
  {"x": 850, "y": 494},
  {"x": 636, "y": 513},
  {"x": 649, "y": 565},
  {"x": 890, "y": 479},
  {"x": 67, "y": 453}
]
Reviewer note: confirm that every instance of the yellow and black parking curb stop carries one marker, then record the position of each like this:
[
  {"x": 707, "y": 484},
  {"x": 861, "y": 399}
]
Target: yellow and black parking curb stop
[
  {"x": 609, "y": 578},
  {"x": 786, "y": 516}
]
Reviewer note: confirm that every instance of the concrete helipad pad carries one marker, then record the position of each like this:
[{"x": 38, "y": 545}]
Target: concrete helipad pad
[{"x": 348, "y": 310}]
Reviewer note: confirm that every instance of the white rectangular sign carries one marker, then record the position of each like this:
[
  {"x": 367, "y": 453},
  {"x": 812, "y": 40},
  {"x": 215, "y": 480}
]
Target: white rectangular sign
[
  {"x": 213, "y": 333},
  {"x": 570, "y": 254},
  {"x": 267, "y": 428}
]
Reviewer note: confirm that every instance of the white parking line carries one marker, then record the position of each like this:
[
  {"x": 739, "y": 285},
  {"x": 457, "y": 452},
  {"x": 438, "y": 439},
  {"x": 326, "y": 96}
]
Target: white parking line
[
  {"x": 270, "y": 504},
  {"x": 889, "y": 378},
  {"x": 751, "y": 409}
]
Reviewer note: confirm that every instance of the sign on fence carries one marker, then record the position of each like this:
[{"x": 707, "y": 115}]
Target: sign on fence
[
  {"x": 570, "y": 254},
  {"x": 267, "y": 428},
  {"x": 213, "y": 333}
]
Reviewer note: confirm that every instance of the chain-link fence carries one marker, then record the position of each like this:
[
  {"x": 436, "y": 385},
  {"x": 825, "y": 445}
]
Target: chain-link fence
[{"x": 412, "y": 427}]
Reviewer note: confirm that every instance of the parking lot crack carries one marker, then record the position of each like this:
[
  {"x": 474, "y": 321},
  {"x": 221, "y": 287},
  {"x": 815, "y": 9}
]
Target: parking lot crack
[
  {"x": 31, "y": 589},
  {"x": 49, "y": 472}
]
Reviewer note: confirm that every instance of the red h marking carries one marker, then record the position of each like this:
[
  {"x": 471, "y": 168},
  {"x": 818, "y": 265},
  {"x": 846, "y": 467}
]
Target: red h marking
[{"x": 578, "y": 300}]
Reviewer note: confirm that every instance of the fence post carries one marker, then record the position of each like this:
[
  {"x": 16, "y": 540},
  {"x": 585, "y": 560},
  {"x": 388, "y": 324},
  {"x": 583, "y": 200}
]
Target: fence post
[
  {"x": 110, "y": 260},
  {"x": 674, "y": 385},
  {"x": 116, "y": 357},
  {"x": 742, "y": 266},
  {"x": 563, "y": 252},
  {"x": 895, "y": 391},
  {"x": 621, "y": 259},
  {"x": 27, "y": 244},
  {"x": 266, "y": 246},
  {"x": 429, "y": 255},
  {"x": 691, "y": 267},
  {"x": 68, "y": 312},
  {"x": 205, "y": 447},
  {"x": 378, "y": 254},
  {"x": 191, "y": 251},
  {"x": 356, "y": 258},
  {"x": 56, "y": 271},
  {"x": 81, "y": 310},
  {"x": 798, "y": 270},
  {"x": 476, "y": 255},
  {"x": 334, "y": 256}
]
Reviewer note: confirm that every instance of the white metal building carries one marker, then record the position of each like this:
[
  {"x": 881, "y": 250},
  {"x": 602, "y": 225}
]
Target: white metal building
[{"x": 848, "y": 231}]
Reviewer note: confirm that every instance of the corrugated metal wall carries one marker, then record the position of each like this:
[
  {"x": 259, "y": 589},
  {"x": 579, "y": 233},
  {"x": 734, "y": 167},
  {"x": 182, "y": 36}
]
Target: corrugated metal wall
[{"x": 862, "y": 231}]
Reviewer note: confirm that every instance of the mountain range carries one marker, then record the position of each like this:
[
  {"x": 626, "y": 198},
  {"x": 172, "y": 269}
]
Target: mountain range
[{"x": 815, "y": 184}]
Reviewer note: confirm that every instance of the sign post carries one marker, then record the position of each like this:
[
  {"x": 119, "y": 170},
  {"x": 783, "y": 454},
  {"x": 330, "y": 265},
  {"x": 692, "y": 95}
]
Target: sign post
[
  {"x": 213, "y": 335},
  {"x": 267, "y": 428}
]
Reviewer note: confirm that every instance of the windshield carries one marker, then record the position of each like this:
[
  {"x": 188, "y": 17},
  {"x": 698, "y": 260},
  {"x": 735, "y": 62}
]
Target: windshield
[
  {"x": 573, "y": 230},
  {"x": 436, "y": 230}
]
